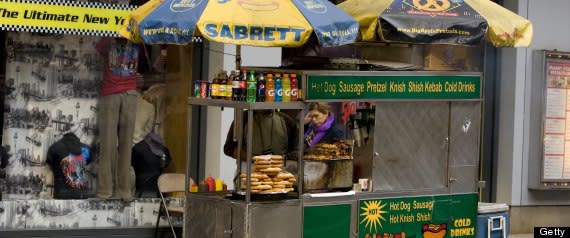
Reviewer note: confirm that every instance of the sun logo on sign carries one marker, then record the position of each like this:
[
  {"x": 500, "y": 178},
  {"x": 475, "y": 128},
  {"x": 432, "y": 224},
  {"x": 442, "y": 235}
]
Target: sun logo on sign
[{"x": 373, "y": 214}]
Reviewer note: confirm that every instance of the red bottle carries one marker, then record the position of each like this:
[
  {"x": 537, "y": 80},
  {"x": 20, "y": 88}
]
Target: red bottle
[
  {"x": 294, "y": 88},
  {"x": 211, "y": 184}
]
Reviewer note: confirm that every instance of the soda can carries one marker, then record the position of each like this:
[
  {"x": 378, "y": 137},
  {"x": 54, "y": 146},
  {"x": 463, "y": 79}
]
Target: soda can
[
  {"x": 197, "y": 88},
  {"x": 204, "y": 89}
]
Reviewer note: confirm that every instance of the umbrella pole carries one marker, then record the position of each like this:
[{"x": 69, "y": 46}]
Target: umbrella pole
[{"x": 238, "y": 57}]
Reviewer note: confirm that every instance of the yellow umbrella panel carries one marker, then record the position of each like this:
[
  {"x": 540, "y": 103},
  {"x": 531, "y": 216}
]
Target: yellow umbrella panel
[
  {"x": 254, "y": 22},
  {"x": 278, "y": 23}
]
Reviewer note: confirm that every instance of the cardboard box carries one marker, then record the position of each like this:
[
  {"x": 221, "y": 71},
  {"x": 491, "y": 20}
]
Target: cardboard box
[{"x": 452, "y": 58}]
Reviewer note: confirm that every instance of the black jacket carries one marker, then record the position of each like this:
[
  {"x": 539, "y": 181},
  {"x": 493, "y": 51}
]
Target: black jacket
[{"x": 148, "y": 167}]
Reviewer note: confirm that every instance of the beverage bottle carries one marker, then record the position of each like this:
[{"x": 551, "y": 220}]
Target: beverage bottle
[
  {"x": 214, "y": 87},
  {"x": 229, "y": 90},
  {"x": 278, "y": 88},
  {"x": 251, "y": 87},
  {"x": 222, "y": 89},
  {"x": 294, "y": 88},
  {"x": 235, "y": 86},
  {"x": 243, "y": 85},
  {"x": 222, "y": 81},
  {"x": 286, "y": 88},
  {"x": 269, "y": 89},
  {"x": 261, "y": 88}
]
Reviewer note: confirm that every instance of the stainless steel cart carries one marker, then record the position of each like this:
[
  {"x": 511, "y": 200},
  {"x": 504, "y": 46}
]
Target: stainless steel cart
[{"x": 422, "y": 164}]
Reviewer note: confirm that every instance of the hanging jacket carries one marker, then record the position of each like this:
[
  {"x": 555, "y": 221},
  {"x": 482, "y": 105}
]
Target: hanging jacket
[
  {"x": 149, "y": 159},
  {"x": 273, "y": 133}
]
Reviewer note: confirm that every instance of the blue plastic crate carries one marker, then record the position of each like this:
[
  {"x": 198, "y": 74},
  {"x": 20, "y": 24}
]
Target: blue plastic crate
[{"x": 492, "y": 220}]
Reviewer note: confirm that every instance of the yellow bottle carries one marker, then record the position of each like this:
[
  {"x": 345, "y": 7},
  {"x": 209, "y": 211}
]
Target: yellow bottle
[{"x": 219, "y": 185}]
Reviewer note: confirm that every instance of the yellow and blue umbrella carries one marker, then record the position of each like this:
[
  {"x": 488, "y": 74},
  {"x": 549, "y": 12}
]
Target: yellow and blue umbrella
[
  {"x": 463, "y": 22},
  {"x": 279, "y": 23}
]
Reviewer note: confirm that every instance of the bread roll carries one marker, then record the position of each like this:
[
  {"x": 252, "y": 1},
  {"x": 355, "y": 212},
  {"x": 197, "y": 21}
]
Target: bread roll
[
  {"x": 272, "y": 169},
  {"x": 285, "y": 175},
  {"x": 261, "y": 187}
]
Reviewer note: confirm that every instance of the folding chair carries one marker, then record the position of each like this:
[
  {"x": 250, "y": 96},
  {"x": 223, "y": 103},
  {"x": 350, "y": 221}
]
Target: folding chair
[{"x": 168, "y": 183}]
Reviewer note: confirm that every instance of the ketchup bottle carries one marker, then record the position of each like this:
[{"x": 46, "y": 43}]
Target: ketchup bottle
[{"x": 211, "y": 184}]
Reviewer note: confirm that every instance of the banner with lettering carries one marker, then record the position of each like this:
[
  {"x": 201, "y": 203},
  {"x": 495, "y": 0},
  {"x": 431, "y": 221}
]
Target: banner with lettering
[
  {"x": 442, "y": 216},
  {"x": 400, "y": 87},
  {"x": 63, "y": 17}
]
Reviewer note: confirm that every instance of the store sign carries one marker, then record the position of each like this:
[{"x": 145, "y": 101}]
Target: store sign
[
  {"x": 332, "y": 87},
  {"x": 443, "y": 216},
  {"x": 82, "y": 18}
]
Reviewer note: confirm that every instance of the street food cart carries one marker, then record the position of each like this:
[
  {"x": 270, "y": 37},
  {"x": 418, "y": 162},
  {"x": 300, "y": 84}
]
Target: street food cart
[
  {"x": 422, "y": 165},
  {"x": 422, "y": 169}
]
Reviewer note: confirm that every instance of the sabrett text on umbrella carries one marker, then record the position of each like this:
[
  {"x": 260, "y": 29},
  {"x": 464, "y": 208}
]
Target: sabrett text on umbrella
[{"x": 266, "y": 33}]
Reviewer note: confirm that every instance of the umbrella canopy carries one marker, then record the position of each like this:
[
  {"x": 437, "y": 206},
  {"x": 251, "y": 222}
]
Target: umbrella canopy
[
  {"x": 464, "y": 22},
  {"x": 283, "y": 23}
]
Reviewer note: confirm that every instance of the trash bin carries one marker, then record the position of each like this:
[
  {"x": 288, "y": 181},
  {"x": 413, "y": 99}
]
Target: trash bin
[{"x": 492, "y": 220}]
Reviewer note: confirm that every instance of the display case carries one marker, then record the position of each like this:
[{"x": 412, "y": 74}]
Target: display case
[{"x": 548, "y": 159}]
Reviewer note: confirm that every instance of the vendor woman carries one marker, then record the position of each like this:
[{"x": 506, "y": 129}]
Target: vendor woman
[{"x": 320, "y": 125}]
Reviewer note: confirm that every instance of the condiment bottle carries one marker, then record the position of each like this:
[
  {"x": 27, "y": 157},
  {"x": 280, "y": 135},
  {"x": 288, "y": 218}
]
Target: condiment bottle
[
  {"x": 219, "y": 184},
  {"x": 211, "y": 184},
  {"x": 203, "y": 187},
  {"x": 194, "y": 188}
]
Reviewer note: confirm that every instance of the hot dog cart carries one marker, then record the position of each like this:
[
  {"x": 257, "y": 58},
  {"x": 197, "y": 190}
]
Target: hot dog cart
[{"x": 421, "y": 164}]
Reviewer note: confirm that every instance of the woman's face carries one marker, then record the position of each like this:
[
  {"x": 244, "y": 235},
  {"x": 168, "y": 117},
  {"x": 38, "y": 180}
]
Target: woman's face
[{"x": 317, "y": 117}]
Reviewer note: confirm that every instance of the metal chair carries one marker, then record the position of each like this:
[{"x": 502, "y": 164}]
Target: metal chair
[{"x": 169, "y": 183}]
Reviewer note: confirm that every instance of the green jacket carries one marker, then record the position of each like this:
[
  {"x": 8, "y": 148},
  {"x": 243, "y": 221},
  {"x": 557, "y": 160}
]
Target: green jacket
[{"x": 273, "y": 133}]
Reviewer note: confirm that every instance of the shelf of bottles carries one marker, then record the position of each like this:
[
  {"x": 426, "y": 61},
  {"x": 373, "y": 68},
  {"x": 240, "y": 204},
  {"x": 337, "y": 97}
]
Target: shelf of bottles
[{"x": 248, "y": 89}]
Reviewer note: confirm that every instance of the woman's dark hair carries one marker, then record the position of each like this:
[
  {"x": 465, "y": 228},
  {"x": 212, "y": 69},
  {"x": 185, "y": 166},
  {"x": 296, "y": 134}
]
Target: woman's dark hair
[{"x": 322, "y": 107}]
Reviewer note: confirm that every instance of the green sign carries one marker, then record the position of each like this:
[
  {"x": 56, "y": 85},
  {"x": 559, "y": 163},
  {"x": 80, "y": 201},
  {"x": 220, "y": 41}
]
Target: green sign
[
  {"x": 331, "y": 87},
  {"x": 330, "y": 221},
  {"x": 444, "y": 216}
]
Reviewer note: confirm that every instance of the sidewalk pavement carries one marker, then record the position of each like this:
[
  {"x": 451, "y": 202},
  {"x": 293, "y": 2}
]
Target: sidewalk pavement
[{"x": 527, "y": 235}]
